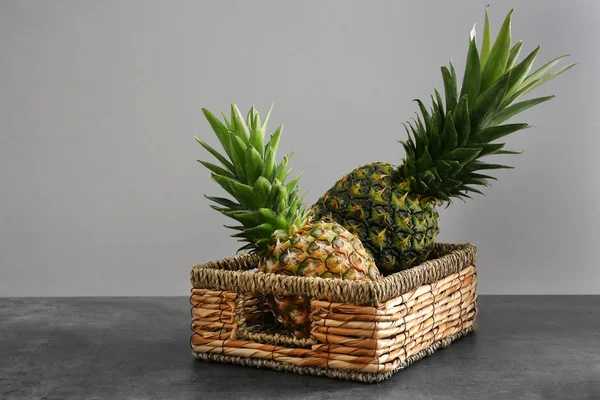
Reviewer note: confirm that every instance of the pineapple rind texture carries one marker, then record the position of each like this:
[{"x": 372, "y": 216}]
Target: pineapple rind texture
[
  {"x": 398, "y": 228},
  {"x": 320, "y": 250}
]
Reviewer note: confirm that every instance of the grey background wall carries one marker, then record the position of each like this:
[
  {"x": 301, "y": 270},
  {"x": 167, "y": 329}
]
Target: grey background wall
[{"x": 100, "y": 193}]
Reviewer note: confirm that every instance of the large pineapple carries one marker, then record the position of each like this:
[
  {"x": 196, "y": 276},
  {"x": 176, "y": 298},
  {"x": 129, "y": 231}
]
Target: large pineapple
[
  {"x": 274, "y": 223},
  {"x": 392, "y": 209}
]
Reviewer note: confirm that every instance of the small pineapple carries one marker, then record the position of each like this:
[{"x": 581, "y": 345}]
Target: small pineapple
[
  {"x": 392, "y": 209},
  {"x": 274, "y": 222}
]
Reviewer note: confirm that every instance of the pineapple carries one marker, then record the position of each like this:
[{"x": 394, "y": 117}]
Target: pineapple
[
  {"x": 274, "y": 223},
  {"x": 393, "y": 209}
]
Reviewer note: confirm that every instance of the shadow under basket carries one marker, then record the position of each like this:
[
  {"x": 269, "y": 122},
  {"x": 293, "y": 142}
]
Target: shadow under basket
[{"x": 360, "y": 330}]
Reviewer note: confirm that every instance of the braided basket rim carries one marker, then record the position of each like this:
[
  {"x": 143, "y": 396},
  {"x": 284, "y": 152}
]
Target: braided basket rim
[{"x": 237, "y": 274}]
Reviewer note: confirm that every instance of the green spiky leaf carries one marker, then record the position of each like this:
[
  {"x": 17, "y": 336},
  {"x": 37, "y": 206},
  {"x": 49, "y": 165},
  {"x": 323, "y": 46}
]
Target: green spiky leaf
[
  {"x": 462, "y": 121},
  {"x": 273, "y": 143},
  {"x": 282, "y": 172},
  {"x": 239, "y": 156},
  {"x": 269, "y": 164},
  {"x": 292, "y": 184},
  {"x": 450, "y": 89},
  {"x": 478, "y": 166},
  {"x": 220, "y": 131},
  {"x": 242, "y": 192},
  {"x": 449, "y": 136},
  {"x": 232, "y": 205},
  {"x": 517, "y": 108},
  {"x": 463, "y": 155},
  {"x": 488, "y": 103},
  {"x": 472, "y": 77},
  {"x": 267, "y": 117},
  {"x": 264, "y": 205},
  {"x": 487, "y": 38},
  {"x": 253, "y": 163},
  {"x": 496, "y": 132},
  {"x": 261, "y": 190},
  {"x": 257, "y": 134},
  {"x": 520, "y": 71},
  {"x": 543, "y": 70},
  {"x": 513, "y": 56},
  {"x": 216, "y": 169},
  {"x": 495, "y": 65},
  {"x": 217, "y": 155},
  {"x": 529, "y": 87},
  {"x": 240, "y": 127}
]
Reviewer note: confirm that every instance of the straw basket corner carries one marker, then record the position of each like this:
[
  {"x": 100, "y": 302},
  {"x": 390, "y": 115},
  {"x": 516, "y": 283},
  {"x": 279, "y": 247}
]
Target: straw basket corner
[{"x": 360, "y": 330}]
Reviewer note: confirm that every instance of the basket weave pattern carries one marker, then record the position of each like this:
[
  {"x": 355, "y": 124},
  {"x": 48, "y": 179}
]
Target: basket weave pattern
[{"x": 360, "y": 330}]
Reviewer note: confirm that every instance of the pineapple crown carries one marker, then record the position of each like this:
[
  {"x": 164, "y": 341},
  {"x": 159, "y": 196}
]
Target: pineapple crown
[
  {"x": 444, "y": 146},
  {"x": 265, "y": 206}
]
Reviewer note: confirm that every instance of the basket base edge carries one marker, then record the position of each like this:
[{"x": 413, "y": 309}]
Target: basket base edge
[{"x": 365, "y": 377}]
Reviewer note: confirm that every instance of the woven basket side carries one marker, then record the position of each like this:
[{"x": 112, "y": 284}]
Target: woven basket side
[
  {"x": 447, "y": 259},
  {"x": 232, "y": 274},
  {"x": 399, "y": 328},
  {"x": 351, "y": 339},
  {"x": 332, "y": 373},
  {"x": 214, "y": 313}
]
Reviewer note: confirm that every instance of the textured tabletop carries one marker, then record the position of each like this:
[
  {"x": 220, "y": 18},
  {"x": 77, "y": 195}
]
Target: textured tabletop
[{"x": 527, "y": 347}]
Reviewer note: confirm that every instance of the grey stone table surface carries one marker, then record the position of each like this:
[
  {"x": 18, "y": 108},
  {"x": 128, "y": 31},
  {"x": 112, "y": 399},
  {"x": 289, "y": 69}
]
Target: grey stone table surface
[{"x": 527, "y": 347}]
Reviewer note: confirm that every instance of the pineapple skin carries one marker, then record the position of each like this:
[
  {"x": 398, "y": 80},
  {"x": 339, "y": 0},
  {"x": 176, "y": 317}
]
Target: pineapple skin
[
  {"x": 319, "y": 250},
  {"x": 397, "y": 227}
]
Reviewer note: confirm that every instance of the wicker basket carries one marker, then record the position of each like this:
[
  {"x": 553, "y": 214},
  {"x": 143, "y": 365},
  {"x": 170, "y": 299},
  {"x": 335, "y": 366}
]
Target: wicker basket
[{"x": 360, "y": 330}]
